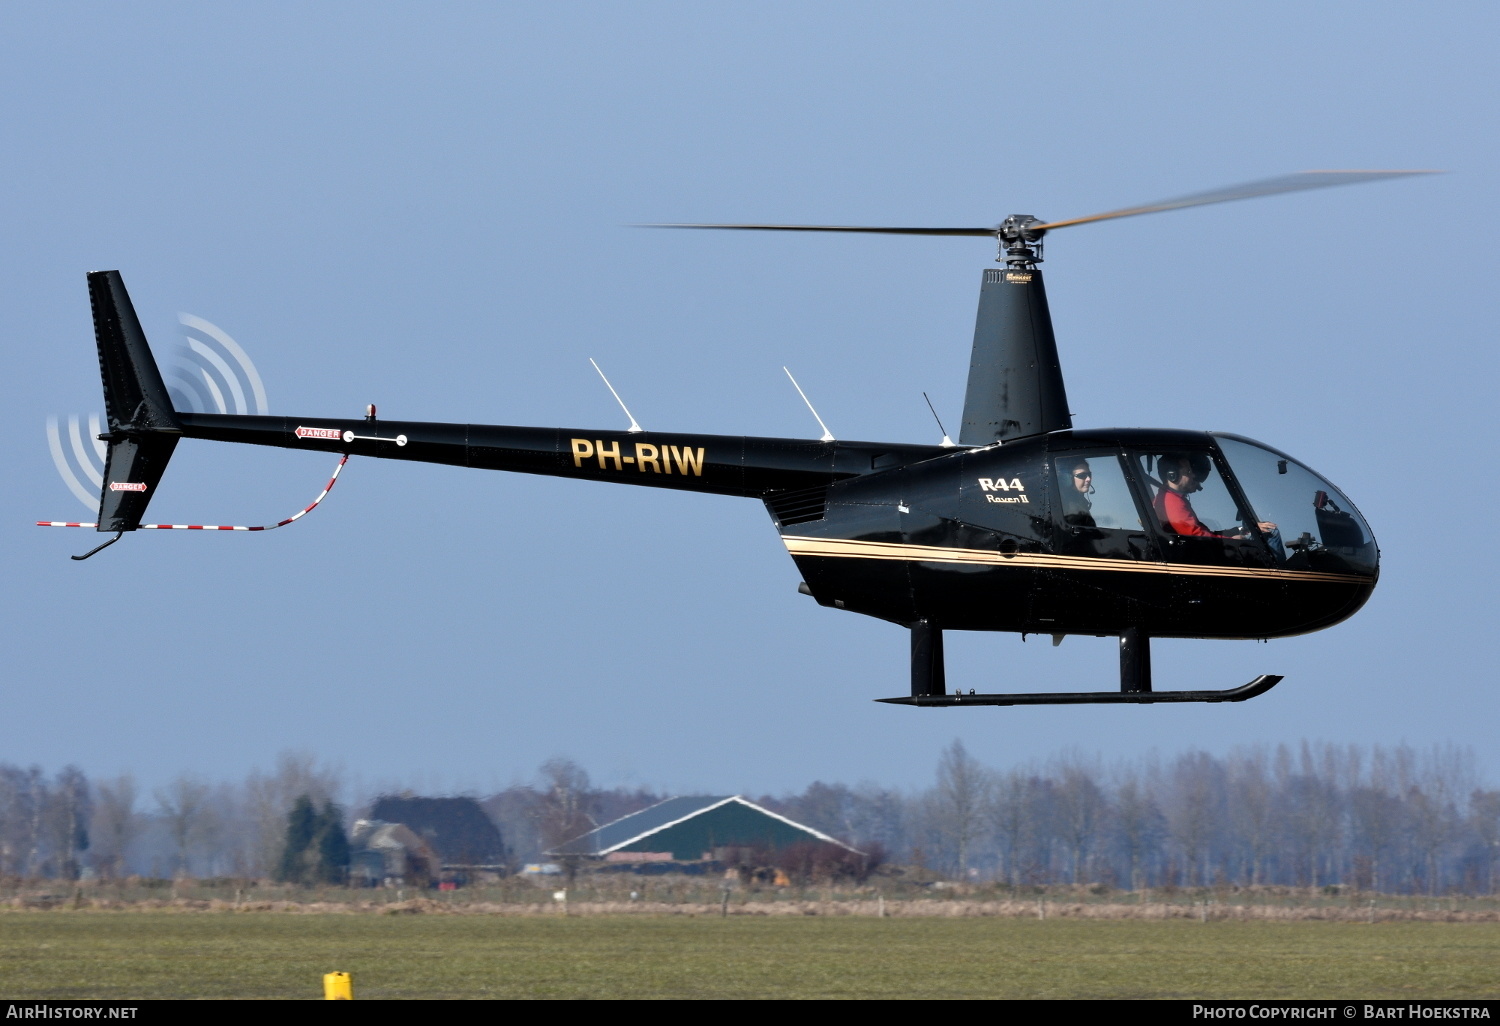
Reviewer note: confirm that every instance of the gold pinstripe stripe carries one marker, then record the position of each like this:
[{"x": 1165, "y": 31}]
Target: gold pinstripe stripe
[{"x": 843, "y": 549}]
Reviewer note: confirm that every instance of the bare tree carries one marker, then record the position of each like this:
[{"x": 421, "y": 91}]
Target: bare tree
[
  {"x": 566, "y": 802},
  {"x": 1192, "y": 814},
  {"x": 1020, "y": 815},
  {"x": 66, "y": 821},
  {"x": 1375, "y": 817},
  {"x": 514, "y": 811},
  {"x": 825, "y": 807},
  {"x": 268, "y": 798},
  {"x": 1252, "y": 811},
  {"x": 1311, "y": 806},
  {"x": 961, "y": 801},
  {"x": 115, "y": 824},
  {"x": 1139, "y": 822},
  {"x": 879, "y": 818},
  {"x": 1080, "y": 807},
  {"x": 17, "y": 800},
  {"x": 36, "y": 797},
  {"x": 1443, "y": 774},
  {"x": 227, "y": 841},
  {"x": 1484, "y": 813},
  {"x": 184, "y": 804}
]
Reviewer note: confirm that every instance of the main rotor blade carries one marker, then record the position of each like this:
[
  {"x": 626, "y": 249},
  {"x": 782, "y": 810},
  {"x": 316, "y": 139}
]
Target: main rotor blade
[
  {"x": 987, "y": 232},
  {"x": 1265, "y": 187}
]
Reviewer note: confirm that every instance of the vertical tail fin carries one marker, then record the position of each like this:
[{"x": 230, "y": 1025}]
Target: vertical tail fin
[{"x": 143, "y": 426}]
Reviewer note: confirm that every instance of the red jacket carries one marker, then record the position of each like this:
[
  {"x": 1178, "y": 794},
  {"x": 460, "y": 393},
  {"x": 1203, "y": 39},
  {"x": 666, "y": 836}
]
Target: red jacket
[{"x": 1175, "y": 513}]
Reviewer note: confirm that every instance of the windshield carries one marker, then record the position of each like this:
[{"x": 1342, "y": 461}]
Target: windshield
[{"x": 1316, "y": 526}]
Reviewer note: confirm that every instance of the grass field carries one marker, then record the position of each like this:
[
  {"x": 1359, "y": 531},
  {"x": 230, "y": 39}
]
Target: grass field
[{"x": 278, "y": 955}]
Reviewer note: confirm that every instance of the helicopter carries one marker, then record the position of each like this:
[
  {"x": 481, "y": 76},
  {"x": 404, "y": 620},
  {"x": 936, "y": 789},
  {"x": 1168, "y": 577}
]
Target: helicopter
[{"x": 1024, "y": 525}]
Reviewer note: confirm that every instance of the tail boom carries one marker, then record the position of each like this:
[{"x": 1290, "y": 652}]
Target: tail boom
[{"x": 718, "y": 464}]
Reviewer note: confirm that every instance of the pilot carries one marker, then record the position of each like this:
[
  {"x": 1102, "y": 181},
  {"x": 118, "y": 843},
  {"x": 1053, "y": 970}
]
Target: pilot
[
  {"x": 1077, "y": 484},
  {"x": 1181, "y": 476}
]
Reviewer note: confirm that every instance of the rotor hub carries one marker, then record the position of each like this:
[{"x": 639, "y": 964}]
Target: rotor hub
[{"x": 1020, "y": 241}]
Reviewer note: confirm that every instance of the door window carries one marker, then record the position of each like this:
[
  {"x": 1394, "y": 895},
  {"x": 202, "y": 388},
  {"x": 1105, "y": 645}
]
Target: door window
[
  {"x": 1098, "y": 514},
  {"x": 1193, "y": 507}
]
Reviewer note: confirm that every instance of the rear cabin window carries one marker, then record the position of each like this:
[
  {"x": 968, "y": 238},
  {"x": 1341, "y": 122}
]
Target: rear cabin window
[{"x": 1098, "y": 513}]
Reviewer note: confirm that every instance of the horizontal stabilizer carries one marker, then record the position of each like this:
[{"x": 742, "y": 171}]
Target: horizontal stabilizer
[{"x": 133, "y": 471}]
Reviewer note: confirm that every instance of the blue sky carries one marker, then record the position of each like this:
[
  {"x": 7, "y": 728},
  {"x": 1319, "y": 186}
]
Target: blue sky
[{"x": 425, "y": 207}]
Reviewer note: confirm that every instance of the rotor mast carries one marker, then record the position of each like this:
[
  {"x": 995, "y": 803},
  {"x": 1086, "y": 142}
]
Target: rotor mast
[{"x": 1015, "y": 387}]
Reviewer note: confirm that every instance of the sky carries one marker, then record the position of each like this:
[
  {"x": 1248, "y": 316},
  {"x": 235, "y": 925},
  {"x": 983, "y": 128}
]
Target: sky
[{"x": 428, "y": 207}]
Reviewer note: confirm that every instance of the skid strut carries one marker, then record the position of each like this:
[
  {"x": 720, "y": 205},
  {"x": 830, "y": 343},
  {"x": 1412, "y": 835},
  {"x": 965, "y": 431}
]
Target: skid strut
[{"x": 929, "y": 683}]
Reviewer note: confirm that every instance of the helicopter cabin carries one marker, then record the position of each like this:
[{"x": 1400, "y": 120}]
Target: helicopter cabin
[{"x": 1178, "y": 533}]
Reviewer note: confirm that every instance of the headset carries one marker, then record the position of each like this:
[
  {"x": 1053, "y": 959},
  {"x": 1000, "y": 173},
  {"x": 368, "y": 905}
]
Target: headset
[{"x": 1171, "y": 464}]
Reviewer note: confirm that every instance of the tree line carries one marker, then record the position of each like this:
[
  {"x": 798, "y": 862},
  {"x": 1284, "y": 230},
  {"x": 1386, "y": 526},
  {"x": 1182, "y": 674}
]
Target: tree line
[
  {"x": 1377, "y": 818},
  {"x": 69, "y": 826}
]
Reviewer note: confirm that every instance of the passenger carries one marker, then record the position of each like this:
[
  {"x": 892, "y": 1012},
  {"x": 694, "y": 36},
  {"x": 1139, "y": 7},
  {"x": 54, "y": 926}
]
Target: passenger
[
  {"x": 1077, "y": 484},
  {"x": 1182, "y": 475}
]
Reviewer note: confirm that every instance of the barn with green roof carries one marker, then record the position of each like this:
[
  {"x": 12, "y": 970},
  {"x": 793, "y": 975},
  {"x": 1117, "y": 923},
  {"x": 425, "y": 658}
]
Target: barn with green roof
[{"x": 691, "y": 829}]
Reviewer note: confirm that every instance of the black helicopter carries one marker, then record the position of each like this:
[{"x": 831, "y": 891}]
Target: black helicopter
[{"x": 1025, "y": 525}]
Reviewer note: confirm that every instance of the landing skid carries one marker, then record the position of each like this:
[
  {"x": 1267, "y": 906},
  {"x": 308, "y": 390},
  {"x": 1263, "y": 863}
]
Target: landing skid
[
  {"x": 928, "y": 687},
  {"x": 1259, "y": 686}
]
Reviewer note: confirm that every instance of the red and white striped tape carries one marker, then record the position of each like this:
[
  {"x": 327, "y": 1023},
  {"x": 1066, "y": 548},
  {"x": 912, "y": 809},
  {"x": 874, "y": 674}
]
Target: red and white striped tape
[{"x": 223, "y": 527}]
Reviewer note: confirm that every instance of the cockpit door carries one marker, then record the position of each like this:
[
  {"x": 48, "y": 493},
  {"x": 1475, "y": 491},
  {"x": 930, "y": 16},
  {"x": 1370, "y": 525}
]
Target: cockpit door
[
  {"x": 1223, "y": 579},
  {"x": 1090, "y": 583},
  {"x": 1197, "y": 512}
]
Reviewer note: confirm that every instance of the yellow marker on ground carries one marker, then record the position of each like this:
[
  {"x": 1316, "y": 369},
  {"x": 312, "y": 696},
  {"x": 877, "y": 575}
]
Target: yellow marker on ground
[{"x": 338, "y": 987}]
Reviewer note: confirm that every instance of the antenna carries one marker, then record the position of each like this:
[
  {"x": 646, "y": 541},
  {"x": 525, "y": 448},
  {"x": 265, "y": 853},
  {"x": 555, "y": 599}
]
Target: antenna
[
  {"x": 827, "y": 435},
  {"x": 634, "y": 428},
  {"x": 947, "y": 442}
]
